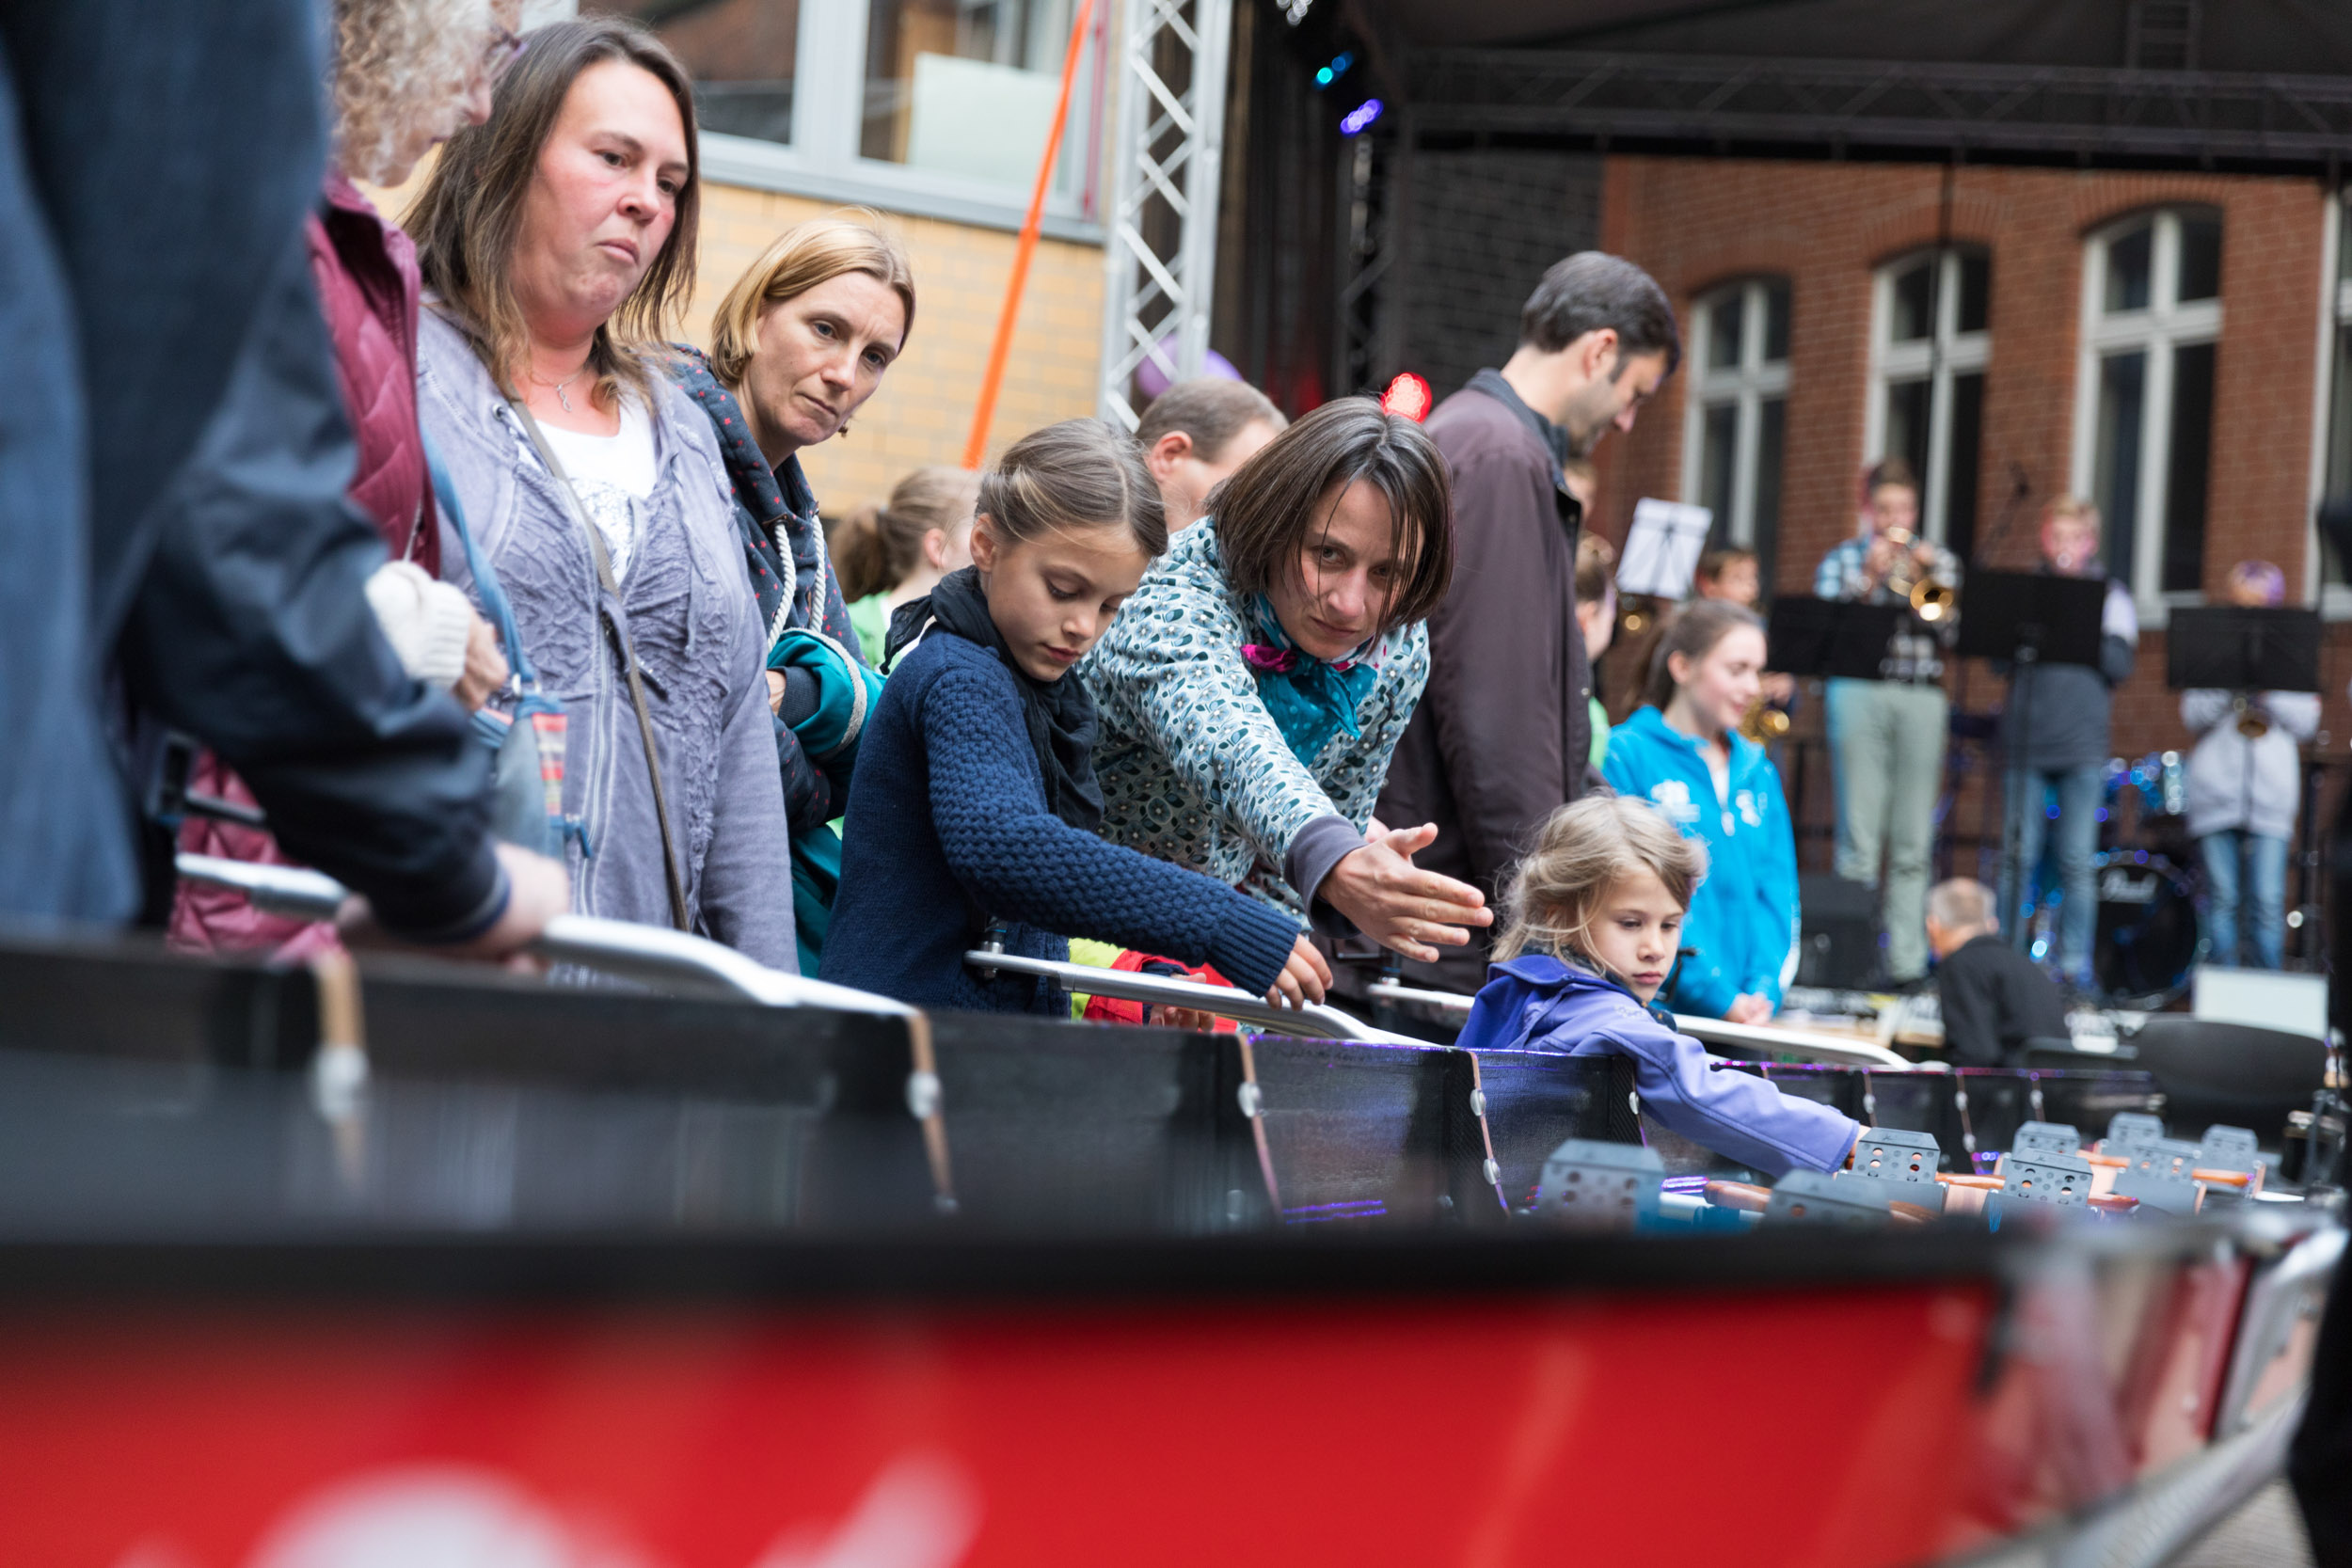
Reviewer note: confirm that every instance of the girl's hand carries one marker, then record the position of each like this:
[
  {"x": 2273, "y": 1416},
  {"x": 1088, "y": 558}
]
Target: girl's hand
[
  {"x": 776, "y": 691},
  {"x": 1397, "y": 906},
  {"x": 1183, "y": 1018},
  {"x": 1303, "y": 978},
  {"x": 1748, "y": 1010}
]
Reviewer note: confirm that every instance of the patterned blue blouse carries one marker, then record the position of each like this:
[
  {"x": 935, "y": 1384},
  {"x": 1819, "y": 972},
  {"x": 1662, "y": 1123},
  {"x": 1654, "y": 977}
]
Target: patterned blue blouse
[{"x": 1194, "y": 769}]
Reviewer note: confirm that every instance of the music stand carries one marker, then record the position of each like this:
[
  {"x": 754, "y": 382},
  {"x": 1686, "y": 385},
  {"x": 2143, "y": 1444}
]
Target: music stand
[
  {"x": 2033, "y": 618},
  {"x": 1663, "y": 547},
  {"x": 2240, "y": 648},
  {"x": 1834, "y": 638},
  {"x": 2029, "y": 618}
]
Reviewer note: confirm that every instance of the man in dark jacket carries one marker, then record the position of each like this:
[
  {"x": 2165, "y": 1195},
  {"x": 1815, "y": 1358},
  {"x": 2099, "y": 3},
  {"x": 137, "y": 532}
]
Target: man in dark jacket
[
  {"x": 2055, "y": 730},
  {"x": 1994, "y": 1000},
  {"x": 173, "y": 453},
  {"x": 1502, "y": 736}
]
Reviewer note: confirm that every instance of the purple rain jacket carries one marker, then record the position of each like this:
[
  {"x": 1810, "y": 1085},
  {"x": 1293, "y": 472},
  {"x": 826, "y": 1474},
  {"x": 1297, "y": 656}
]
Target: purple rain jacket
[{"x": 1538, "y": 1002}]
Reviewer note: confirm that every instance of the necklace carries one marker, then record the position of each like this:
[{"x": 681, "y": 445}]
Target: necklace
[{"x": 557, "y": 387}]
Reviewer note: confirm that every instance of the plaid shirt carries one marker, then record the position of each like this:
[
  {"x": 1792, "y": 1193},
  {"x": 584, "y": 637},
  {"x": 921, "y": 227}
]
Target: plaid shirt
[{"x": 1915, "y": 651}]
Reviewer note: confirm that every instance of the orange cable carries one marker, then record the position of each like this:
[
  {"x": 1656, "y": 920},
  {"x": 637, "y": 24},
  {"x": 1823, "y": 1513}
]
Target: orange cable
[{"x": 1001, "y": 349}]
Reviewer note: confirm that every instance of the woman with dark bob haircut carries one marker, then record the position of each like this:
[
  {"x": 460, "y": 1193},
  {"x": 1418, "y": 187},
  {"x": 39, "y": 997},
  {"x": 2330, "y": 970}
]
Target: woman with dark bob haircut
[{"x": 1252, "y": 689}]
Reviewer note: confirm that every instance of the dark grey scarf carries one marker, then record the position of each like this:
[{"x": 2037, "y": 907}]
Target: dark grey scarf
[{"x": 1059, "y": 714}]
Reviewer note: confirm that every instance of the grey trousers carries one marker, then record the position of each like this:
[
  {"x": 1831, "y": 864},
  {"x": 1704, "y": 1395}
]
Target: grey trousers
[{"x": 1886, "y": 741}]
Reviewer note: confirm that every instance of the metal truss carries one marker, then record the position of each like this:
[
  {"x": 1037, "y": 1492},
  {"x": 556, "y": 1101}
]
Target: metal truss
[
  {"x": 1160, "y": 256},
  {"x": 1366, "y": 233},
  {"x": 2087, "y": 115}
]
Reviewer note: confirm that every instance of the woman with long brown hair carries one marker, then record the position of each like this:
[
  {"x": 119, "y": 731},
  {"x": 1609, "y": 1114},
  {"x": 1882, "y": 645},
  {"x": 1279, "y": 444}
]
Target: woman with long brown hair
[
  {"x": 1683, "y": 753},
  {"x": 557, "y": 242}
]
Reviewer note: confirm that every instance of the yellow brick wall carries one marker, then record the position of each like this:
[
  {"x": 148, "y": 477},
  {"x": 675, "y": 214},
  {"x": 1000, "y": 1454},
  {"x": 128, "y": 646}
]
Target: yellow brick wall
[{"x": 923, "y": 413}]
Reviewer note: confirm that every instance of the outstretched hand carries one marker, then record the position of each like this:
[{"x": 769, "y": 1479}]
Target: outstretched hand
[{"x": 1399, "y": 906}]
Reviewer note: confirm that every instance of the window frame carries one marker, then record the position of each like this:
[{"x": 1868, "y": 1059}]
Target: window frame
[
  {"x": 2334, "y": 599},
  {"x": 1939, "y": 358},
  {"x": 1746, "y": 385},
  {"x": 2160, "y": 330},
  {"x": 823, "y": 160}
]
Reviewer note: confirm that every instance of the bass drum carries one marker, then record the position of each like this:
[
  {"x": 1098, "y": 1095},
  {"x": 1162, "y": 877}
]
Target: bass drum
[{"x": 2148, "y": 942}]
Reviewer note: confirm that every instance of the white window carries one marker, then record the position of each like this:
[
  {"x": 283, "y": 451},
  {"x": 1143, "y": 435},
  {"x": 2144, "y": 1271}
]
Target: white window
[
  {"x": 2335, "y": 475},
  {"x": 1930, "y": 343},
  {"x": 933, "y": 106},
  {"x": 1738, "y": 414},
  {"x": 2143, "y": 396}
]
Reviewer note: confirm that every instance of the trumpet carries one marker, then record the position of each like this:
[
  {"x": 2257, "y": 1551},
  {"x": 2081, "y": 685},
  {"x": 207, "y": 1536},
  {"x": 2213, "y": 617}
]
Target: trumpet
[
  {"x": 1929, "y": 600},
  {"x": 1763, "y": 723},
  {"x": 2253, "y": 722}
]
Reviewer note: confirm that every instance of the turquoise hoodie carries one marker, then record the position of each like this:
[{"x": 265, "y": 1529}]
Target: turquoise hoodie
[{"x": 1744, "y": 918}]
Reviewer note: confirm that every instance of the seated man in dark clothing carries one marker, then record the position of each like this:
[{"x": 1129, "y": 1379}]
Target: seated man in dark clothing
[{"x": 1995, "y": 997}]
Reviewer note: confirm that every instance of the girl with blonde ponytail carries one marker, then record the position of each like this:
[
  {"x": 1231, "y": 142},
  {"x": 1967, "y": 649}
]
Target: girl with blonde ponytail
[{"x": 890, "y": 554}]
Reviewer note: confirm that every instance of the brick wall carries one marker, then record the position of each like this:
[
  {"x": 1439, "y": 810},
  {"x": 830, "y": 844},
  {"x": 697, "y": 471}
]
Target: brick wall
[
  {"x": 1696, "y": 223},
  {"x": 1481, "y": 225},
  {"x": 923, "y": 413}
]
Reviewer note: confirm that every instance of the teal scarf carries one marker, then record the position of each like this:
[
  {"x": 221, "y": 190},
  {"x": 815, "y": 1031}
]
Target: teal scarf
[{"x": 1310, "y": 699}]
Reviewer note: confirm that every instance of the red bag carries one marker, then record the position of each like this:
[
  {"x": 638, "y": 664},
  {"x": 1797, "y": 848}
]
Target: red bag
[{"x": 1108, "y": 1009}]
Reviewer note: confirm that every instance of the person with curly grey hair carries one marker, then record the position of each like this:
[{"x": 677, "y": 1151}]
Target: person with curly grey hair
[
  {"x": 173, "y": 463},
  {"x": 405, "y": 75}
]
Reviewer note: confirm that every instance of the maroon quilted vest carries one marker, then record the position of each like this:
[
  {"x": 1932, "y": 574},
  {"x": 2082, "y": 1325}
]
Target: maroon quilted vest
[
  {"x": 367, "y": 287},
  {"x": 366, "y": 270}
]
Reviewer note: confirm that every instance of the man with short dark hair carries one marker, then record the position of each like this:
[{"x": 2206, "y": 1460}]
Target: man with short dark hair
[
  {"x": 1195, "y": 434},
  {"x": 1502, "y": 736}
]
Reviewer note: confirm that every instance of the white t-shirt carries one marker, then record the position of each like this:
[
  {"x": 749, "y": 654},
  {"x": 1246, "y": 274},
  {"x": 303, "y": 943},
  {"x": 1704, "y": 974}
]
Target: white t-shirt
[{"x": 610, "y": 473}]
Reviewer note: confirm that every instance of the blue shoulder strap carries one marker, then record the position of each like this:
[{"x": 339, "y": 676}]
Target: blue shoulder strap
[{"x": 486, "y": 580}]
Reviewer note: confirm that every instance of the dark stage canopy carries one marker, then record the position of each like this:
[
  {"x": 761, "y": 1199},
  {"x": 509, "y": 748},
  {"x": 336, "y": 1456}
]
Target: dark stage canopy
[{"x": 2256, "y": 85}]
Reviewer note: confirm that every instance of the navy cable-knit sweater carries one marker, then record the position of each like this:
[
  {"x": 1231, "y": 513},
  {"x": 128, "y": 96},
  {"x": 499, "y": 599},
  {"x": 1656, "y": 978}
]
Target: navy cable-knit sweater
[{"x": 949, "y": 829}]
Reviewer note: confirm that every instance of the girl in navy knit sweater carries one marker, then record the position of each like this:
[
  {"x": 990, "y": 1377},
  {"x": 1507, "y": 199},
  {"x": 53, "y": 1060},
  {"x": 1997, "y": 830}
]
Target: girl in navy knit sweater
[{"x": 974, "y": 798}]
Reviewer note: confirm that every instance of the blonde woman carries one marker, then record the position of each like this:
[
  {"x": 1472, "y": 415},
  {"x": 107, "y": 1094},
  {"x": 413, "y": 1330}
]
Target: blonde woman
[
  {"x": 557, "y": 243},
  {"x": 798, "y": 345}
]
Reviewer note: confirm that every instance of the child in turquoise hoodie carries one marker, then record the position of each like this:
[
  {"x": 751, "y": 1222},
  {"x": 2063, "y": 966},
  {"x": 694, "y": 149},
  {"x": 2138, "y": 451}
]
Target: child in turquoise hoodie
[{"x": 1684, "y": 754}]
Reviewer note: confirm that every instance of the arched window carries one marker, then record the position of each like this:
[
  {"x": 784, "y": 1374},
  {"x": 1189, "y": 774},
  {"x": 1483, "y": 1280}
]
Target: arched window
[
  {"x": 1930, "y": 343},
  {"x": 2144, "y": 392},
  {"x": 1739, "y": 413}
]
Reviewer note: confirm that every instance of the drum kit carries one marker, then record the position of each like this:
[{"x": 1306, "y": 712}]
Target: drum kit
[{"x": 2147, "y": 943}]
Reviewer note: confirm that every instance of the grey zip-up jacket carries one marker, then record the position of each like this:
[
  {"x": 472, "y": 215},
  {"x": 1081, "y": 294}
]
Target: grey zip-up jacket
[{"x": 698, "y": 641}]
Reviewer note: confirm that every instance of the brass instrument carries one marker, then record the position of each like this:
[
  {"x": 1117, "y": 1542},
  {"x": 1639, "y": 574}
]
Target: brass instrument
[
  {"x": 1764, "y": 723},
  {"x": 1929, "y": 600},
  {"x": 2251, "y": 722}
]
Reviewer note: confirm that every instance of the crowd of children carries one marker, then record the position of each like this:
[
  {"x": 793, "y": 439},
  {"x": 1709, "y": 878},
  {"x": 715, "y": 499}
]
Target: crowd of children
[{"x": 976, "y": 814}]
